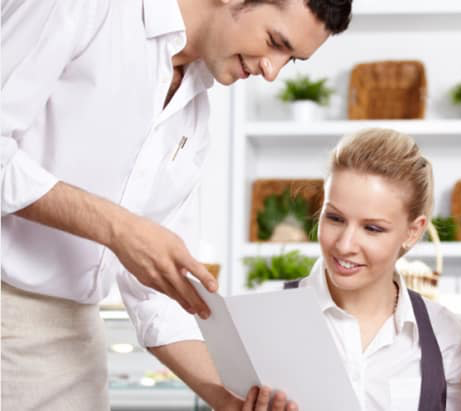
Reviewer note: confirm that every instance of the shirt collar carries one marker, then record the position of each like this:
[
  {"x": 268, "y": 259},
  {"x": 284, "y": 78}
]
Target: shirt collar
[
  {"x": 162, "y": 18},
  {"x": 317, "y": 280},
  {"x": 168, "y": 20},
  {"x": 404, "y": 313}
]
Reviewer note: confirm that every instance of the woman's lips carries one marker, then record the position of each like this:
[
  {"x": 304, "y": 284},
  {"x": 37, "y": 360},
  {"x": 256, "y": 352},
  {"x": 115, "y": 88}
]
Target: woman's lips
[{"x": 340, "y": 269}]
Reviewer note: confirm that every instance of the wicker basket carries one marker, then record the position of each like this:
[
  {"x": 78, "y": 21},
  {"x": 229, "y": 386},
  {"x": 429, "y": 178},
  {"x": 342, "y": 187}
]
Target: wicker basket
[
  {"x": 424, "y": 283},
  {"x": 213, "y": 269},
  {"x": 309, "y": 189},
  {"x": 387, "y": 90},
  {"x": 456, "y": 206}
]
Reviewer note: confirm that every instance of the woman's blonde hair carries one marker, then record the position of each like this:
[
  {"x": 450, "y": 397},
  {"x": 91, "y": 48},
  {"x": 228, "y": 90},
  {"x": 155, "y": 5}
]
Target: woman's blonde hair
[{"x": 392, "y": 155}]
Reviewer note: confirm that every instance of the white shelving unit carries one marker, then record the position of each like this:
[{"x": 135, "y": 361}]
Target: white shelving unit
[
  {"x": 450, "y": 250},
  {"x": 396, "y": 7},
  {"x": 266, "y": 144}
]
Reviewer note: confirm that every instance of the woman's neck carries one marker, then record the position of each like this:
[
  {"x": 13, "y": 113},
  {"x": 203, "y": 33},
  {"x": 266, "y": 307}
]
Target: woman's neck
[{"x": 376, "y": 301}]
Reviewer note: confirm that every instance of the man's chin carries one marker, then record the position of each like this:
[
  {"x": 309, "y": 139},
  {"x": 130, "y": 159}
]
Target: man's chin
[{"x": 226, "y": 79}]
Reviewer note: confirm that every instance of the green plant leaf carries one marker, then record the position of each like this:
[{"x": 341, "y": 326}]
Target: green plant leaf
[
  {"x": 278, "y": 208},
  {"x": 303, "y": 88},
  {"x": 286, "y": 266},
  {"x": 456, "y": 94},
  {"x": 446, "y": 227}
]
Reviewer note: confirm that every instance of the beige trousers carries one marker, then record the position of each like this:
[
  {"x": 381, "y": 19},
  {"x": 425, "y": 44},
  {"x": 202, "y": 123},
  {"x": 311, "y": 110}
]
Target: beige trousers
[{"x": 53, "y": 354}]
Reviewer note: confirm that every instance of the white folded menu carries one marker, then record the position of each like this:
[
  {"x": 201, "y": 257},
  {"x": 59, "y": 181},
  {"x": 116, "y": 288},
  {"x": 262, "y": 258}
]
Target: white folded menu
[{"x": 278, "y": 339}]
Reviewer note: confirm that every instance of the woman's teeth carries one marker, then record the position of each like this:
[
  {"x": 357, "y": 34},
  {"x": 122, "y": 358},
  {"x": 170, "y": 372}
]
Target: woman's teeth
[{"x": 346, "y": 264}]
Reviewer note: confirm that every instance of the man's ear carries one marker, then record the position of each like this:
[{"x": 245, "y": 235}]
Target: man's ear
[{"x": 416, "y": 230}]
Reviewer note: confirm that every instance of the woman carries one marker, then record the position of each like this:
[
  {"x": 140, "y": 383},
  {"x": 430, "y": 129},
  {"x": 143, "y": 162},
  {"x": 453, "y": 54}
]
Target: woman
[{"x": 378, "y": 200}]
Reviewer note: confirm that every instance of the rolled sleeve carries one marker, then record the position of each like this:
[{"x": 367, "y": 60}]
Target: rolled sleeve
[
  {"x": 23, "y": 181},
  {"x": 158, "y": 319}
]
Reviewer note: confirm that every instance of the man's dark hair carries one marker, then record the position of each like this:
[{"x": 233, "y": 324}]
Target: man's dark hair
[{"x": 335, "y": 14}]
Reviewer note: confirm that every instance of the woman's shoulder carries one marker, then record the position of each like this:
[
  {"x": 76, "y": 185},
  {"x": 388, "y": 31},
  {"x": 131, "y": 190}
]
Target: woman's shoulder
[{"x": 445, "y": 323}]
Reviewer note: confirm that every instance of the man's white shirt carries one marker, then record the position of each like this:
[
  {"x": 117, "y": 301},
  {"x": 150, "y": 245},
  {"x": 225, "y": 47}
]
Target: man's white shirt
[{"x": 83, "y": 88}]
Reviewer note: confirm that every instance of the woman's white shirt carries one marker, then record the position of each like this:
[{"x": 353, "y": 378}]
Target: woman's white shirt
[{"x": 387, "y": 376}]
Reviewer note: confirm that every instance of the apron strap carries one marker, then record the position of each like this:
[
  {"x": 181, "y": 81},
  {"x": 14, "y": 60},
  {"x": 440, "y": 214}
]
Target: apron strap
[
  {"x": 433, "y": 396},
  {"x": 291, "y": 284}
]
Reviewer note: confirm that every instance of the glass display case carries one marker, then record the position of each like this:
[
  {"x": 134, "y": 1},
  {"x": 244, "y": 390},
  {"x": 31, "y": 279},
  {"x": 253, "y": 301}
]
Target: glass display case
[{"x": 137, "y": 380}]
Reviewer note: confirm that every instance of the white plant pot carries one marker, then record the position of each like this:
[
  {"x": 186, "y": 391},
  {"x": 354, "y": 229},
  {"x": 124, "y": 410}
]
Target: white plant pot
[
  {"x": 270, "y": 285},
  {"x": 306, "y": 110}
]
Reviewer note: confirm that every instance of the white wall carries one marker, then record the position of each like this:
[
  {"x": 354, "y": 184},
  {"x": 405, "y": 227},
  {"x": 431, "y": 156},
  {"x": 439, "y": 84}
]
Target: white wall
[{"x": 215, "y": 187}]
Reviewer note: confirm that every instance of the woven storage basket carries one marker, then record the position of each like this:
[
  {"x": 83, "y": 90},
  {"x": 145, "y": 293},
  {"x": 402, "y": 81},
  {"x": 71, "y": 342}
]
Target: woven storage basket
[
  {"x": 426, "y": 284},
  {"x": 310, "y": 189},
  {"x": 213, "y": 269},
  {"x": 456, "y": 206},
  {"x": 387, "y": 90}
]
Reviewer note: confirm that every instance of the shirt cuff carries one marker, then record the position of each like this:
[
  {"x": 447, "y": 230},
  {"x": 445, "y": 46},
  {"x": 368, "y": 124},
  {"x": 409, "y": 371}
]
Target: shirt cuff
[
  {"x": 23, "y": 181},
  {"x": 158, "y": 319}
]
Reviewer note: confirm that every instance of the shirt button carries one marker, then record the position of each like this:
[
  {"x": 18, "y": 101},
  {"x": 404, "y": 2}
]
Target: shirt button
[{"x": 355, "y": 374}]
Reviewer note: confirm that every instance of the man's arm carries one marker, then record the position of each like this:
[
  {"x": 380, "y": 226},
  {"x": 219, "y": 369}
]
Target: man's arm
[
  {"x": 156, "y": 256},
  {"x": 191, "y": 361}
]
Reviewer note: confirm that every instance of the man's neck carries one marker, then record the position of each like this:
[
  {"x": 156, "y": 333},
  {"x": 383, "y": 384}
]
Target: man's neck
[{"x": 195, "y": 14}]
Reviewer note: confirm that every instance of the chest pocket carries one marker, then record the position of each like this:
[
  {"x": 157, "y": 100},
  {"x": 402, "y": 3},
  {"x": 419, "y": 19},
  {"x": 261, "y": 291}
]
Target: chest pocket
[
  {"x": 404, "y": 393},
  {"x": 174, "y": 181}
]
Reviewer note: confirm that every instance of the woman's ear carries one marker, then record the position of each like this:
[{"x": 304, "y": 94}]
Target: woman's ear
[{"x": 415, "y": 231}]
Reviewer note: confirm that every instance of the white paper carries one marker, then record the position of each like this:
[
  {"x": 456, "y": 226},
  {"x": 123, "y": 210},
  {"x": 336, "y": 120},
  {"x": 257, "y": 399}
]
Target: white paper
[{"x": 279, "y": 339}]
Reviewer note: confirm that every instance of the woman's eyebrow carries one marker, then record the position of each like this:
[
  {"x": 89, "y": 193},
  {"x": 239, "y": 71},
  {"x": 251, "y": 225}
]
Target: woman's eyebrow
[{"x": 374, "y": 220}]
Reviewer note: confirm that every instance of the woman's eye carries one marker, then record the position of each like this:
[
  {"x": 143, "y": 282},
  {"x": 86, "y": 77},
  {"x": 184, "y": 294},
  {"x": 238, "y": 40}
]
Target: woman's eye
[
  {"x": 374, "y": 228},
  {"x": 334, "y": 218}
]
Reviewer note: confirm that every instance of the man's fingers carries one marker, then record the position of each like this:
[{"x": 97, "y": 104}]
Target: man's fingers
[
  {"x": 199, "y": 271},
  {"x": 171, "y": 292},
  {"x": 185, "y": 290},
  {"x": 292, "y": 406},
  {"x": 189, "y": 294}
]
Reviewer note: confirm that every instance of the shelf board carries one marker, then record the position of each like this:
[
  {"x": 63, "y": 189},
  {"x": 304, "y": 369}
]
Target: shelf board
[
  {"x": 336, "y": 128},
  {"x": 422, "y": 249},
  {"x": 417, "y": 7}
]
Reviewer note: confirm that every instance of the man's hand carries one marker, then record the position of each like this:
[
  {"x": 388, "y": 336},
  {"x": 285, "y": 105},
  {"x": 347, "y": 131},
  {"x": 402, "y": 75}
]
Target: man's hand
[
  {"x": 154, "y": 255},
  {"x": 259, "y": 399},
  {"x": 159, "y": 259}
]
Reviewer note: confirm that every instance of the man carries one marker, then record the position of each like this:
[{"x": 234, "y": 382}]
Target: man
[{"x": 104, "y": 133}]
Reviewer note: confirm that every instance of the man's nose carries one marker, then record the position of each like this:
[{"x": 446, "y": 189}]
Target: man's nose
[{"x": 271, "y": 66}]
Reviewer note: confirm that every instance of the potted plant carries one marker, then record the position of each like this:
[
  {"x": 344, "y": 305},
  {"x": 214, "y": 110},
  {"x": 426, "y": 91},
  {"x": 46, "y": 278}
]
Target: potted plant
[
  {"x": 456, "y": 95},
  {"x": 446, "y": 227},
  {"x": 277, "y": 269},
  {"x": 286, "y": 218},
  {"x": 306, "y": 97}
]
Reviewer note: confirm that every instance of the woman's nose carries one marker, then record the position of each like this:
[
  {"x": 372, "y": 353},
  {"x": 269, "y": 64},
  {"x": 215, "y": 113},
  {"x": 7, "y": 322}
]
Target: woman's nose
[{"x": 347, "y": 242}]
